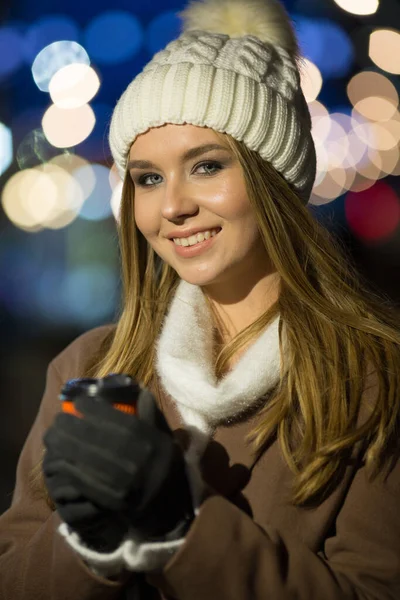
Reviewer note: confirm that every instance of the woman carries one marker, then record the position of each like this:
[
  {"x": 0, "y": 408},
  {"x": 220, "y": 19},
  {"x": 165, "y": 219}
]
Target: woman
[{"x": 272, "y": 470}]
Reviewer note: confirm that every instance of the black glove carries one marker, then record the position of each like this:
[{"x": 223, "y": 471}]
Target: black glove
[{"x": 110, "y": 471}]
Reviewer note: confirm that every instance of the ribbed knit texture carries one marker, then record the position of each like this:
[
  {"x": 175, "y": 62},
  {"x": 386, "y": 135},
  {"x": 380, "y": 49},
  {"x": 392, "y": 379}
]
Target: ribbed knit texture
[{"x": 242, "y": 86}]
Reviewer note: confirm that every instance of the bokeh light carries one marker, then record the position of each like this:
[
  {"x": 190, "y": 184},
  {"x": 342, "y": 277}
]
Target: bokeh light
[
  {"x": 113, "y": 177},
  {"x": 74, "y": 85},
  {"x": 116, "y": 198},
  {"x": 6, "y": 148},
  {"x": 311, "y": 80},
  {"x": 377, "y": 135},
  {"x": 163, "y": 28},
  {"x": 373, "y": 215},
  {"x": 85, "y": 176},
  {"x": 65, "y": 128},
  {"x": 35, "y": 149},
  {"x": 98, "y": 205},
  {"x": 386, "y": 160},
  {"x": 69, "y": 162},
  {"x": 116, "y": 185},
  {"x": 47, "y": 30},
  {"x": 13, "y": 201},
  {"x": 359, "y": 7},
  {"x": 113, "y": 36},
  {"x": 376, "y": 108},
  {"x": 84, "y": 295},
  {"x": 384, "y": 49},
  {"x": 54, "y": 57},
  {"x": 11, "y": 51},
  {"x": 317, "y": 37},
  {"x": 89, "y": 292},
  {"x": 352, "y": 152},
  {"x": 317, "y": 110},
  {"x": 373, "y": 95},
  {"x": 336, "y": 144},
  {"x": 356, "y": 151},
  {"x": 329, "y": 188},
  {"x": 45, "y": 196},
  {"x": 80, "y": 170}
]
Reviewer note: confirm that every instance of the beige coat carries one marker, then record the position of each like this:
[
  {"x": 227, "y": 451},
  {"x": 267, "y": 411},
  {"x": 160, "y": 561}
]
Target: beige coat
[{"x": 346, "y": 549}]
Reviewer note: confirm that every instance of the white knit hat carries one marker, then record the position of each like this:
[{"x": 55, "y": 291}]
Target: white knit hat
[{"x": 234, "y": 70}]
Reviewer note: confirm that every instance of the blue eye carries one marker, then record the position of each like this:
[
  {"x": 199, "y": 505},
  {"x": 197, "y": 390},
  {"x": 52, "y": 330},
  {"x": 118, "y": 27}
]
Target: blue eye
[{"x": 216, "y": 165}]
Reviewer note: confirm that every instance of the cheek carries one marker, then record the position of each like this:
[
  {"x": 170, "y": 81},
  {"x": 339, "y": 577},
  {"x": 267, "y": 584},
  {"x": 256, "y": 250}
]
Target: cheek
[
  {"x": 235, "y": 206},
  {"x": 231, "y": 200},
  {"x": 146, "y": 220}
]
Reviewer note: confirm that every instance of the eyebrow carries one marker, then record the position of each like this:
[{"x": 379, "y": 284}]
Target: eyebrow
[{"x": 192, "y": 153}]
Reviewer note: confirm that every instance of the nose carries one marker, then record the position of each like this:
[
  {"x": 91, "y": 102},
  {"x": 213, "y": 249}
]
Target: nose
[{"x": 178, "y": 202}]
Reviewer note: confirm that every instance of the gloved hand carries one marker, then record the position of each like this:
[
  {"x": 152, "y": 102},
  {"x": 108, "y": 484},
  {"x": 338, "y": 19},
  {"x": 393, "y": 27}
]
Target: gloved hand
[{"x": 110, "y": 471}]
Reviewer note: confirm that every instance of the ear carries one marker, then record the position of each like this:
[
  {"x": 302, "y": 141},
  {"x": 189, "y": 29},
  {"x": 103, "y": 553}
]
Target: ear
[{"x": 149, "y": 412}]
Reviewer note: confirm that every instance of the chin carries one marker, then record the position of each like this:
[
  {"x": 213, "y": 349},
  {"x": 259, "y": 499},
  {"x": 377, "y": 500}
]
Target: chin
[{"x": 197, "y": 278}]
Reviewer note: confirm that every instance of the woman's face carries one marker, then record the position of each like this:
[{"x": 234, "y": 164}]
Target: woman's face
[{"x": 204, "y": 192}]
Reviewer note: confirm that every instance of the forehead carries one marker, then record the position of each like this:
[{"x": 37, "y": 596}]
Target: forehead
[{"x": 174, "y": 137}]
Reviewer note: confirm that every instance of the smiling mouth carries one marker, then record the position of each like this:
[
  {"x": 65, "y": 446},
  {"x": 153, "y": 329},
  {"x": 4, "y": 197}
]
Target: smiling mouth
[{"x": 216, "y": 232}]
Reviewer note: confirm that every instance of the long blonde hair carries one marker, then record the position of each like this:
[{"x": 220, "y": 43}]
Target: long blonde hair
[{"x": 335, "y": 326}]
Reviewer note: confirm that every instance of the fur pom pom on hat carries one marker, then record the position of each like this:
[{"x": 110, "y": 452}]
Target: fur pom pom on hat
[
  {"x": 267, "y": 20},
  {"x": 232, "y": 69}
]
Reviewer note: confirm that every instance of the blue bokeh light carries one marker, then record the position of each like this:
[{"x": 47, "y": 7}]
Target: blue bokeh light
[
  {"x": 11, "y": 51},
  {"x": 45, "y": 31},
  {"x": 6, "y": 148},
  {"x": 97, "y": 206},
  {"x": 113, "y": 37},
  {"x": 89, "y": 292},
  {"x": 55, "y": 56},
  {"x": 84, "y": 295},
  {"x": 326, "y": 44},
  {"x": 48, "y": 297},
  {"x": 164, "y": 28}
]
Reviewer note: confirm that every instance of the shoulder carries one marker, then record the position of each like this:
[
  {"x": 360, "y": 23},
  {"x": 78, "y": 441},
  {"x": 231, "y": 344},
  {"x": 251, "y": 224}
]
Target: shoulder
[{"x": 82, "y": 352}]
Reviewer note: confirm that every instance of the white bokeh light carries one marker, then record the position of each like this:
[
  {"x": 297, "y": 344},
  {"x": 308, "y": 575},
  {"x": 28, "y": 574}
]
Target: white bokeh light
[
  {"x": 373, "y": 95},
  {"x": 45, "y": 196},
  {"x": 65, "y": 128},
  {"x": 311, "y": 80},
  {"x": 73, "y": 86},
  {"x": 359, "y": 7},
  {"x": 13, "y": 201},
  {"x": 384, "y": 49}
]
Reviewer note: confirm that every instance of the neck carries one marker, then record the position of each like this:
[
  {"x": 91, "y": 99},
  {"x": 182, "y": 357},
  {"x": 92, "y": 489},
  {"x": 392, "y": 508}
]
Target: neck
[{"x": 235, "y": 308}]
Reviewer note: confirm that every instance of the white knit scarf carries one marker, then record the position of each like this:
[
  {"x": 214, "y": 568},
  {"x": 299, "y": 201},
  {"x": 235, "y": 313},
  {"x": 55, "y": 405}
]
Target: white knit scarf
[{"x": 184, "y": 363}]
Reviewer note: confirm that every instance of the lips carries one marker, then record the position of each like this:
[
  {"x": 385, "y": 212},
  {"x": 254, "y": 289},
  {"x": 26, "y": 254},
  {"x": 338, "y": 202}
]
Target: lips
[{"x": 187, "y": 234}]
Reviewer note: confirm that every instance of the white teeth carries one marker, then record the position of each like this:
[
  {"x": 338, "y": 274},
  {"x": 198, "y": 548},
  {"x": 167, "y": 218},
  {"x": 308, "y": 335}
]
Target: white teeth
[
  {"x": 195, "y": 239},
  {"x": 192, "y": 240}
]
